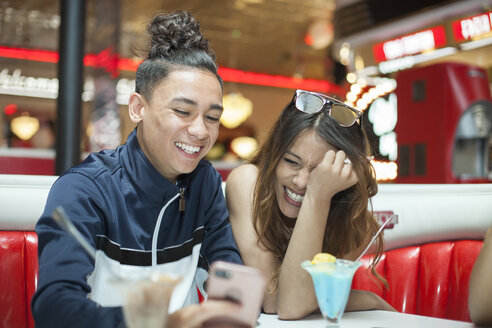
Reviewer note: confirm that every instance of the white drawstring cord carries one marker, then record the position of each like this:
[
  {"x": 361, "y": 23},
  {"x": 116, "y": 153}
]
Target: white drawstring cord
[{"x": 156, "y": 231}]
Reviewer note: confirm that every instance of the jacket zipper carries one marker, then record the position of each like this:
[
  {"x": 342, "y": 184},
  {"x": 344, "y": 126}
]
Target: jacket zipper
[{"x": 181, "y": 199}]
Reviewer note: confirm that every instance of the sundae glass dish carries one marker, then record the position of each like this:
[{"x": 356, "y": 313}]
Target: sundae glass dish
[
  {"x": 146, "y": 300},
  {"x": 332, "y": 280}
]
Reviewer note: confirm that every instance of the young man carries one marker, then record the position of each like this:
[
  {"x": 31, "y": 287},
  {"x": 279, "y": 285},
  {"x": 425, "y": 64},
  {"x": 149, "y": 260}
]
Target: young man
[{"x": 151, "y": 205}]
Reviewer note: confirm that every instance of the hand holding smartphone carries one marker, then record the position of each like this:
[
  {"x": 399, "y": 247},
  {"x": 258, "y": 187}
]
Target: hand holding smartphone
[{"x": 239, "y": 284}]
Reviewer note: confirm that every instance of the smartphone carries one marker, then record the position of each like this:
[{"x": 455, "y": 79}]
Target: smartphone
[{"x": 240, "y": 284}]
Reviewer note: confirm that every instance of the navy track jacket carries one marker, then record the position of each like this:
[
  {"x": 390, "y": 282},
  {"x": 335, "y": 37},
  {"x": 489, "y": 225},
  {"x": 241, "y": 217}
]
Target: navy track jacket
[{"x": 130, "y": 213}]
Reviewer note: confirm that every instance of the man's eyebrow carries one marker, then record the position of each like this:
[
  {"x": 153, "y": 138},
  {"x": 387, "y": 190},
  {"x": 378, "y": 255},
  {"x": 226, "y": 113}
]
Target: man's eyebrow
[
  {"x": 193, "y": 103},
  {"x": 185, "y": 100},
  {"x": 217, "y": 106},
  {"x": 292, "y": 154}
]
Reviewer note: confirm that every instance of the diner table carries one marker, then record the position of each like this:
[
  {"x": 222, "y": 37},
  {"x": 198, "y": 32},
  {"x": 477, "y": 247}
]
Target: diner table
[{"x": 364, "y": 319}]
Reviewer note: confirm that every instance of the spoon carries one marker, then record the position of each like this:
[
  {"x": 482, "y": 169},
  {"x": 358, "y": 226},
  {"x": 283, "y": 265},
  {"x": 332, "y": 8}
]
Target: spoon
[{"x": 64, "y": 222}]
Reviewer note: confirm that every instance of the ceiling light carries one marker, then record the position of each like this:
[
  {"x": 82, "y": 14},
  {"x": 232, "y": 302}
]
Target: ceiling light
[
  {"x": 24, "y": 126},
  {"x": 351, "y": 77},
  {"x": 359, "y": 63},
  {"x": 237, "y": 109},
  {"x": 345, "y": 51},
  {"x": 355, "y": 89},
  {"x": 216, "y": 152},
  {"x": 244, "y": 147},
  {"x": 320, "y": 34}
]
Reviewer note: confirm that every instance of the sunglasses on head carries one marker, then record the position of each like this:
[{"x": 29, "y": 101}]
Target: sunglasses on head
[{"x": 312, "y": 102}]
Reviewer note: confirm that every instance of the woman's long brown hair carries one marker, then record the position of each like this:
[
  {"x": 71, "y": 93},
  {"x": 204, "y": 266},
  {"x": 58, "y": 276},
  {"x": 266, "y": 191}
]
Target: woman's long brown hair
[{"x": 350, "y": 220}]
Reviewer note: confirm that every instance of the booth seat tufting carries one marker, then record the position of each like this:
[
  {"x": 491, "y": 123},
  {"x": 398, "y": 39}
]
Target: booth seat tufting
[
  {"x": 429, "y": 279},
  {"x": 429, "y": 251}
]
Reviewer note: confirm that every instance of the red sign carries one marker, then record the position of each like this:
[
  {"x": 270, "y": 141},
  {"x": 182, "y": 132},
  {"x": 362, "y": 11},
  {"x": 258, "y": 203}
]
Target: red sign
[
  {"x": 410, "y": 44},
  {"x": 472, "y": 27},
  {"x": 383, "y": 216}
]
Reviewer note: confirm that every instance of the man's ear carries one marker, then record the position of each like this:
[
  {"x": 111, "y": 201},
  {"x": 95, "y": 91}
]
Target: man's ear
[{"x": 136, "y": 107}]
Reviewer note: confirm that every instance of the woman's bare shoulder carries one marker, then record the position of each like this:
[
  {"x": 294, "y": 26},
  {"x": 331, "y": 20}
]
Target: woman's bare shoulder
[
  {"x": 244, "y": 175},
  {"x": 239, "y": 193},
  {"x": 240, "y": 184}
]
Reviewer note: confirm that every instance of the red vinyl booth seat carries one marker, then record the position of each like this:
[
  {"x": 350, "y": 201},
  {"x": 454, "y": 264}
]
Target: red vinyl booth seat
[
  {"x": 430, "y": 279},
  {"x": 19, "y": 277}
]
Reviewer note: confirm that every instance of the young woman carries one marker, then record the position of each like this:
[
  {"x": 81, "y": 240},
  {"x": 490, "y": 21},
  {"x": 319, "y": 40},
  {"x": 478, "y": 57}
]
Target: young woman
[{"x": 307, "y": 191}]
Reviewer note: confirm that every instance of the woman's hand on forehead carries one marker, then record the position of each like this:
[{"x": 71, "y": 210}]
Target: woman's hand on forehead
[{"x": 332, "y": 175}]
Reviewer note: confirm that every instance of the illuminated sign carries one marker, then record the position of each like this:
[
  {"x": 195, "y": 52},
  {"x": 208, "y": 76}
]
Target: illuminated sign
[
  {"x": 411, "y": 44},
  {"x": 383, "y": 216},
  {"x": 410, "y": 61},
  {"x": 473, "y": 27},
  {"x": 17, "y": 84},
  {"x": 20, "y": 85},
  {"x": 383, "y": 116}
]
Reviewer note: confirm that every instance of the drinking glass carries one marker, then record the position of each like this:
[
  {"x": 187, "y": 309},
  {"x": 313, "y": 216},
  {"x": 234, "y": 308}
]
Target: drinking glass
[
  {"x": 146, "y": 300},
  {"x": 332, "y": 283}
]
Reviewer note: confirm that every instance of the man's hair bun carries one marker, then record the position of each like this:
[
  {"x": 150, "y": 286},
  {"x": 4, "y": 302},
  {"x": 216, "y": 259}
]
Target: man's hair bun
[
  {"x": 176, "y": 43},
  {"x": 175, "y": 32}
]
